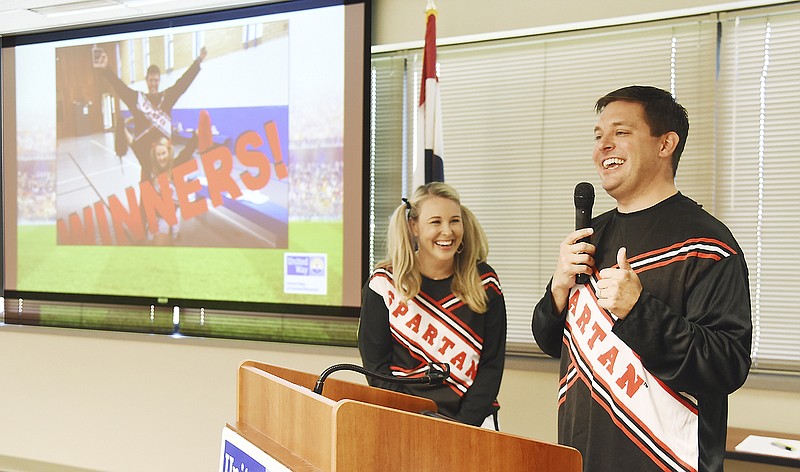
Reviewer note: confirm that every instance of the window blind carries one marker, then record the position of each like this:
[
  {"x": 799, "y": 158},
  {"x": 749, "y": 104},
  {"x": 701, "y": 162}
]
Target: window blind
[
  {"x": 389, "y": 135},
  {"x": 518, "y": 118},
  {"x": 758, "y": 169}
]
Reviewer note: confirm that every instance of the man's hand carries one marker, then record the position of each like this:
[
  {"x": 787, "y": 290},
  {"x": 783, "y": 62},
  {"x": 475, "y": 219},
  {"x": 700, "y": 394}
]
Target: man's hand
[
  {"x": 573, "y": 258},
  {"x": 619, "y": 289}
]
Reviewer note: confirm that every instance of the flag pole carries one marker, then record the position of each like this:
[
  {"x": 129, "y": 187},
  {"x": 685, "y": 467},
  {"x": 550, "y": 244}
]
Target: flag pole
[{"x": 429, "y": 166}]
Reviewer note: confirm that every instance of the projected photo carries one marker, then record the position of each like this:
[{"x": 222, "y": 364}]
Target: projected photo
[
  {"x": 212, "y": 158},
  {"x": 163, "y": 163}
]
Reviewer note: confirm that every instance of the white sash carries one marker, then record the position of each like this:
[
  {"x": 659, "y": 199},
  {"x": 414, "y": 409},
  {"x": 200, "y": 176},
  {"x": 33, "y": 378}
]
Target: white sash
[
  {"x": 430, "y": 333},
  {"x": 662, "y": 422},
  {"x": 158, "y": 118}
]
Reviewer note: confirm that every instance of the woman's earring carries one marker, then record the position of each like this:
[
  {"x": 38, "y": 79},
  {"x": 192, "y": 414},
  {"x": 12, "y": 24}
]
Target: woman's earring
[{"x": 460, "y": 248}]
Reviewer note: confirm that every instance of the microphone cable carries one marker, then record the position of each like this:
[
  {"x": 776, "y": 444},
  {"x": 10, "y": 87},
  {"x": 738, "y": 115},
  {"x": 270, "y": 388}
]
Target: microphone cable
[{"x": 437, "y": 373}]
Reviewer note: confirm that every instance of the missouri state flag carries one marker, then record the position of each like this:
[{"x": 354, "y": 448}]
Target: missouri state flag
[{"x": 429, "y": 166}]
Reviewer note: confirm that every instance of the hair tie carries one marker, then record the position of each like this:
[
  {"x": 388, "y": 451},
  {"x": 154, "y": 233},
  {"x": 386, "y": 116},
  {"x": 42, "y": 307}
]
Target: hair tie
[{"x": 408, "y": 204}]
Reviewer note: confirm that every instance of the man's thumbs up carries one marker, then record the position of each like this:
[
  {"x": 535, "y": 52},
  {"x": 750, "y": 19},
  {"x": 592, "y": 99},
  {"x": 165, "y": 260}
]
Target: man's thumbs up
[
  {"x": 622, "y": 259},
  {"x": 618, "y": 289}
]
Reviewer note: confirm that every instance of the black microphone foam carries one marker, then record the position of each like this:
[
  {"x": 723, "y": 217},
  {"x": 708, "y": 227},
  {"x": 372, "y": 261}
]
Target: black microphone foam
[{"x": 584, "y": 200}]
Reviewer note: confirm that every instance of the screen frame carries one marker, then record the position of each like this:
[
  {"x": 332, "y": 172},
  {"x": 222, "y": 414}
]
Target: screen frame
[{"x": 355, "y": 238}]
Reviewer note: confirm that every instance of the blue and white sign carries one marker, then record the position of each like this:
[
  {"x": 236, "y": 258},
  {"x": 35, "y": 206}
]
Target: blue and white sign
[
  {"x": 305, "y": 273},
  {"x": 240, "y": 455}
]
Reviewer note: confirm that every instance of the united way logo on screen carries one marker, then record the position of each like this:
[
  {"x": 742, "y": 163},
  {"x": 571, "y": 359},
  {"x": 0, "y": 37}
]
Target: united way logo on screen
[{"x": 305, "y": 273}]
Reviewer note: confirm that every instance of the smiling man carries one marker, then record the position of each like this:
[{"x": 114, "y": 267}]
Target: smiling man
[{"x": 651, "y": 347}]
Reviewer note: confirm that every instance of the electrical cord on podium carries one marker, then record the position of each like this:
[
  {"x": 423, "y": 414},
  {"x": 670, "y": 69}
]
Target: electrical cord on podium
[{"x": 436, "y": 374}]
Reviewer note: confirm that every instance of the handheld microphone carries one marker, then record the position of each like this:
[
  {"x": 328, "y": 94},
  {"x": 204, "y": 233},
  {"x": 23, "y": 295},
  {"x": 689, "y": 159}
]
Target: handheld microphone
[
  {"x": 584, "y": 200},
  {"x": 437, "y": 373}
]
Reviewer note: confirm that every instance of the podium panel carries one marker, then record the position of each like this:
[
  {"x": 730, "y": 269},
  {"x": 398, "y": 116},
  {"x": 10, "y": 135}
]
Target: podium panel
[{"x": 357, "y": 428}]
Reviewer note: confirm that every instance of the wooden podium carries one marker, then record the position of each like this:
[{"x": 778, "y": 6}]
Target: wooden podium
[{"x": 357, "y": 428}]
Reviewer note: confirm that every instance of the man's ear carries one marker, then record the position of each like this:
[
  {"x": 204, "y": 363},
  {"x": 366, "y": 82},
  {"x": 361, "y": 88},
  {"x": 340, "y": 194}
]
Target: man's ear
[{"x": 669, "y": 142}]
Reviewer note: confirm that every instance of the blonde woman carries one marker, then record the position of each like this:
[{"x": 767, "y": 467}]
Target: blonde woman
[
  {"x": 435, "y": 299},
  {"x": 162, "y": 162}
]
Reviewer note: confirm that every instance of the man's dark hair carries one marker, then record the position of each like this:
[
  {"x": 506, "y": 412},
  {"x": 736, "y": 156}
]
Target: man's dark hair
[
  {"x": 662, "y": 112},
  {"x": 153, "y": 69}
]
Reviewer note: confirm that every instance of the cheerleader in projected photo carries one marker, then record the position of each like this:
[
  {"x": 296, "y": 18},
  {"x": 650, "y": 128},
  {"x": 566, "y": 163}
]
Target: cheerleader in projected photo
[
  {"x": 151, "y": 110},
  {"x": 162, "y": 163}
]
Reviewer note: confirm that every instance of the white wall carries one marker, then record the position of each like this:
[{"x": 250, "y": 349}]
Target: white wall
[
  {"x": 401, "y": 21},
  {"x": 131, "y": 402}
]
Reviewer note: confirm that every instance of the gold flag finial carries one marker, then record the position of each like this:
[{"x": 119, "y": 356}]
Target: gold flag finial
[{"x": 431, "y": 7}]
